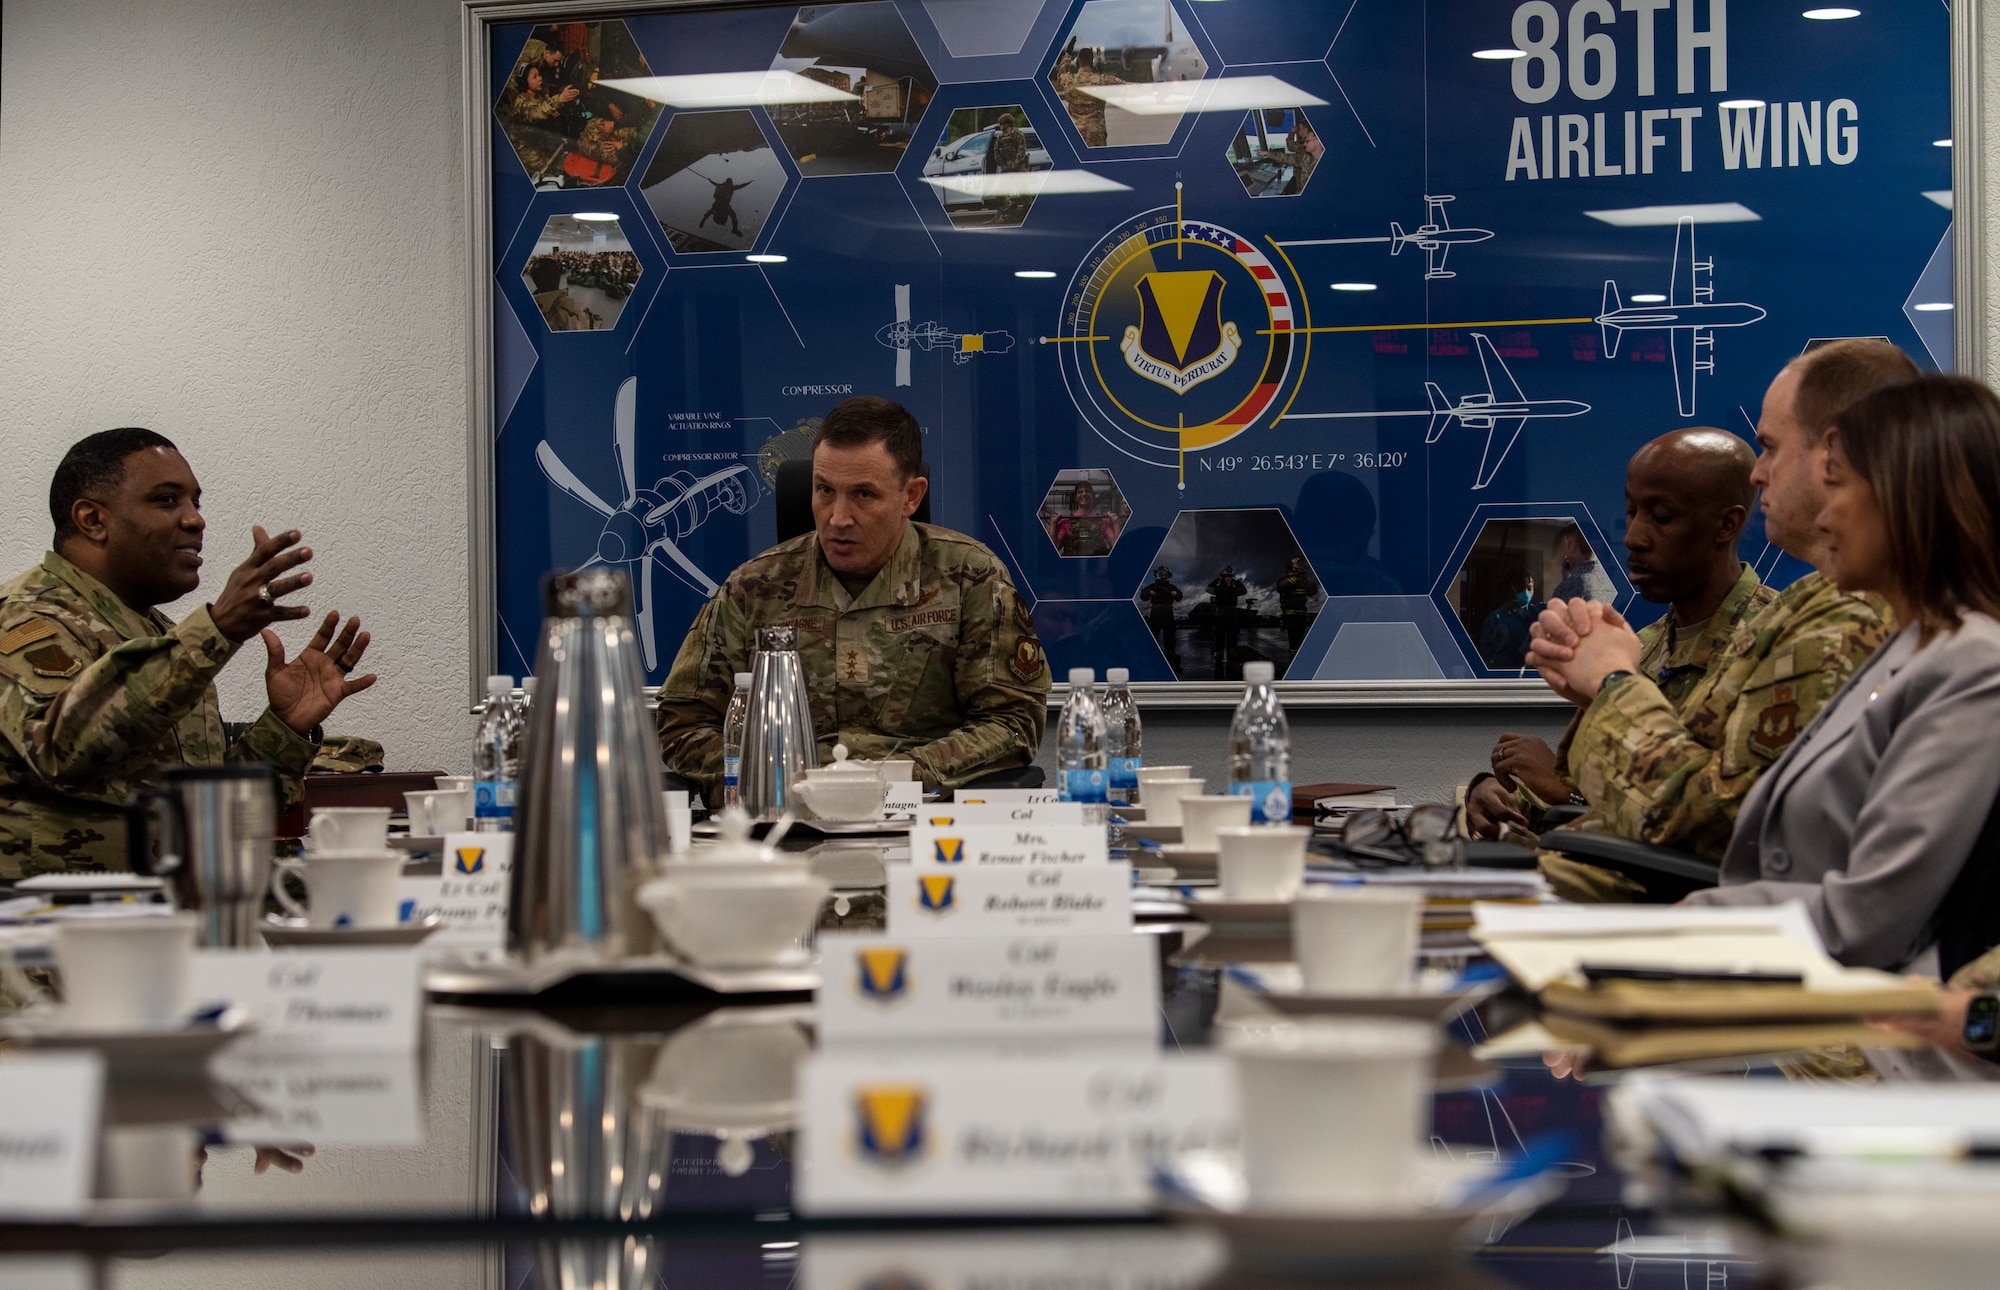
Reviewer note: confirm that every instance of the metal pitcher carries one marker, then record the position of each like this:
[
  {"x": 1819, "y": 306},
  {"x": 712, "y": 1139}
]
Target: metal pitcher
[
  {"x": 589, "y": 821},
  {"x": 778, "y": 743},
  {"x": 215, "y": 827}
]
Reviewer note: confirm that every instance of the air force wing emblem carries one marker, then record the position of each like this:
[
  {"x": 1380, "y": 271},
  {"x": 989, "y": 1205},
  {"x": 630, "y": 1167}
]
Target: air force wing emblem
[
  {"x": 889, "y": 1123},
  {"x": 470, "y": 860},
  {"x": 882, "y": 973},
  {"x": 1181, "y": 339},
  {"x": 934, "y": 891},
  {"x": 950, "y": 850}
]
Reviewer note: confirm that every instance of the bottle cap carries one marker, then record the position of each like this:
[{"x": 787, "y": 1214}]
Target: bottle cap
[
  {"x": 499, "y": 685},
  {"x": 1082, "y": 676},
  {"x": 1118, "y": 675},
  {"x": 742, "y": 680},
  {"x": 527, "y": 685},
  {"x": 1258, "y": 673}
]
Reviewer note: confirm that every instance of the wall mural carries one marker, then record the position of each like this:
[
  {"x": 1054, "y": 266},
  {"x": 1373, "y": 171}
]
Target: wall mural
[{"x": 1271, "y": 329}]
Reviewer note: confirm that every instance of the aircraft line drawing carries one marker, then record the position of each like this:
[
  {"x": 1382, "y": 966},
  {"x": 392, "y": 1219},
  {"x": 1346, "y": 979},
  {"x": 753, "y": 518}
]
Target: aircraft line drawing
[
  {"x": 1501, "y": 411},
  {"x": 1705, "y": 1258},
  {"x": 927, "y": 336},
  {"x": 1689, "y": 316},
  {"x": 648, "y": 524},
  {"x": 1434, "y": 237}
]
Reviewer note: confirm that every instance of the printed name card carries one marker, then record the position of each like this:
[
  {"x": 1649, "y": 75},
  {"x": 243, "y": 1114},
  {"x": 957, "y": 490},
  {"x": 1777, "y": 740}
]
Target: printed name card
[
  {"x": 49, "y": 1104},
  {"x": 990, "y": 987},
  {"x": 1001, "y": 900},
  {"x": 326, "y": 1098},
  {"x": 1067, "y": 815},
  {"x": 960, "y": 1132},
  {"x": 1026, "y": 844},
  {"x": 470, "y": 895},
  {"x": 1004, "y": 796},
  {"x": 363, "y": 999},
  {"x": 905, "y": 797}
]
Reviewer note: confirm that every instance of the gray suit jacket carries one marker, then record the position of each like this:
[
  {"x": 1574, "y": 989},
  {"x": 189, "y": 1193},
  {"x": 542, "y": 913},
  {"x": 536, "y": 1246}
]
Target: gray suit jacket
[{"x": 1871, "y": 813}]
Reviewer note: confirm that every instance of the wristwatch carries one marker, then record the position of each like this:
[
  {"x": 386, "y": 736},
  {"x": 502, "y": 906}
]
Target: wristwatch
[
  {"x": 1609, "y": 677},
  {"x": 1982, "y": 1023}
]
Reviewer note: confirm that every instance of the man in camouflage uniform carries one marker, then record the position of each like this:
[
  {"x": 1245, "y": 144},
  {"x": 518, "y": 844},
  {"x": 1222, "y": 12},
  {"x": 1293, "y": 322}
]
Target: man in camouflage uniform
[
  {"x": 98, "y": 687},
  {"x": 1086, "y": 110},
  {"x": 1303, "y": 148},
  {"x": 913, "y": 641},
  {"x": 1008, "y": 155},
  {"x": 1675, "y": 775},
  {"x": 1295, "y": 592}
]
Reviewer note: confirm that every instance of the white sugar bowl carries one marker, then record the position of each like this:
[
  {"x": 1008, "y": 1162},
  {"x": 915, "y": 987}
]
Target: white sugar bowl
[{"x": 844, "y": 792}]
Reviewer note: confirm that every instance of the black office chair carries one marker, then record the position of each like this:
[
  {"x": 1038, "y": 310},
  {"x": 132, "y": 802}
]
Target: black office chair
[
  {"x": 1666, "y": 874},
  {"x": 795, "y": 497}
]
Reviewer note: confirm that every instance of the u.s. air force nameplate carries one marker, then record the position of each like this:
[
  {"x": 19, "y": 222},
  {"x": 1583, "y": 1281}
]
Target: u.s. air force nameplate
[
  {"x": 1068, "y": 815},
  {"x": 1097, "y": 988},
  {"x": 1023, "y": 844},
  {"x": 957, "y": 1132},
  {"x": 1004, "y": 900},
  {"x": 1006, "y": 796},
  {"x": 50, "y": 1105},
  {"x": 361, "y": 999}
]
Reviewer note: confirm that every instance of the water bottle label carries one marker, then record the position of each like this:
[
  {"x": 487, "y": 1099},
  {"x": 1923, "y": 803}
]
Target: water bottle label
[
  {"x": 1270, "y": 799},
  {"x": 493, "y": 799},
  {"x": 1125, "y": 771},
  {"x": 1084, "y": 786},
  {"x": 732, "y": 771}
]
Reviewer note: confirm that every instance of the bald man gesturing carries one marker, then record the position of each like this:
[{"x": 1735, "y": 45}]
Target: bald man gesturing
[{"x": 1687, "y": 497}]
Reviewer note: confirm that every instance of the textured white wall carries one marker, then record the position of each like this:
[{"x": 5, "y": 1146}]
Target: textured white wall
[{"x": 238, "y": 222}]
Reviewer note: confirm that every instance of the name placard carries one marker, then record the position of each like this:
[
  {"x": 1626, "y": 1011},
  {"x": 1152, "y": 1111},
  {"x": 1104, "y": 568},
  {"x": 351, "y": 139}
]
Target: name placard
[
  {"x": 470, "y": 895},
  {"x": 904, "y": 797},
  {"x": 1023, "y": 844},
  {"x": 1004, "y": 900},
  {"x": 49, "y": 1105},
  {"x": 960, "y": 1132},
  {"x": 989, "y": 987},
  {"x": 1005, "y": 796},
  {"x": 326, "y": 1098},
  {"x": 365, "y": 999},
  {"x": 1067, "y": 815}
]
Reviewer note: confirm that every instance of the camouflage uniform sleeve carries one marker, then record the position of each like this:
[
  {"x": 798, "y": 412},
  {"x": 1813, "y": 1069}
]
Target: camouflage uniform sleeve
[
  {"x": 694, "y": 699},
  {"x": 287, "y": 752},
  {"x": 1003, "y": 688},
  {"x": 1648, "y": 776},
  {"x": 77, "y": 724}
]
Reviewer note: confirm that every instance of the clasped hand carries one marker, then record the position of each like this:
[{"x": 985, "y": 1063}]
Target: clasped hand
[{"x": 1577, "y": 643}]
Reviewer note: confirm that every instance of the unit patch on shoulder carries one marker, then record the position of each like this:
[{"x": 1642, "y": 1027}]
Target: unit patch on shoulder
[
  {"x": 22, "y": 635},
  {"x": 53, "y": 660},
  {"x": 1026, "y": 665},
  {"x": 1024, "y": 618}
]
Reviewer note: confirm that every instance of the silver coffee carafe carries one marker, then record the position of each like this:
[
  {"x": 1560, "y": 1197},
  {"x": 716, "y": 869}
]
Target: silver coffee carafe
[
  {"x": 209, "y": 831},
  {"x": 778, "y": 742},
  {"x": 589, "y": 822}
]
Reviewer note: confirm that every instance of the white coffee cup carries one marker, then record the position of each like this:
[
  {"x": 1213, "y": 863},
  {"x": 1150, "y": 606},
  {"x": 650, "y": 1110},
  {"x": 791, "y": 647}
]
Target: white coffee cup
[
  {"x": 436, "y": 812},
  {"x": 1147, "y": 774},
  {"x": 348, "y": 828},
  {"x": 1262, "y": 862},
  {"x": 1357, "y": 940},
  {"x": 680, "y": 821},
  {"x": 343, "y": 889},
  {"x": 454, "y": 783},
  {"x": 1163, "y": 799},
  {"x": 895, "y": 770},
  {"x": 1202, "y": 816},
  {"x": 125, "y": 972},
  {"x": 1334, "y": 1110}
]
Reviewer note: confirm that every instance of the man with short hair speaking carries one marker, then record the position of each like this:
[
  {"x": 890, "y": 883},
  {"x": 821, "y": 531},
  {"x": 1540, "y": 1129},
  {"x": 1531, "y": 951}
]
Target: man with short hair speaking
[
  {"x": 98, "y": 687},
  {"x": 913, "y": 641}
]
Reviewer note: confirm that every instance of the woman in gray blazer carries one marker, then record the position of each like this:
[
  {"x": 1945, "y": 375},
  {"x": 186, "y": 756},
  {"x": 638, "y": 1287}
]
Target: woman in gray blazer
[{"x": 1870, "y": 815}]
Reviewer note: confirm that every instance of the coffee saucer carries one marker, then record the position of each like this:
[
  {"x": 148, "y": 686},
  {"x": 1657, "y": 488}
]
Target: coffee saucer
[
  {"x": 1192, "y": 862},
  {"x": 1449, "y": 1204},
  {"x": 187, "y": 1043},
  {"x": 1158, "y": 834},
  {"x": 293, "y": 933},
  {"x": 1435, "y": 997}
]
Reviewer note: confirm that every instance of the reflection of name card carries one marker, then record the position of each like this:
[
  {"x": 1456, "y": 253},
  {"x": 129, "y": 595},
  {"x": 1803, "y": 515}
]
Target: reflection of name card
[
  {"x": 360, "y": 999},
  {"x": 1068, "y": 815},
  {"x": 355, "y": 1099},
  {"x": 1109, "y": 1258},
  {"x": 1004, "y": 796},
  {"x": 48, "y": 1132},
  {"x": 908, "y": 1132},
  {"x": 1021, "y": 844},
  {"x": 997, "y": 987},
  {"x": 904, "y": 797},
  {"x": 1002, "y": 900},
  {"x": 470, "y": 893}
]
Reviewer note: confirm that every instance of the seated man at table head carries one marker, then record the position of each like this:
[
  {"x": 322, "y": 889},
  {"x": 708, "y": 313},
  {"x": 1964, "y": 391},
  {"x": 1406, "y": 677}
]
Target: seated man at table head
[
  {"x": 98, "y": 687},
  {"x": 1687, "y": 498},
  {"x": 913, "y": 640},
  {"x": 1675, "y": 774}
]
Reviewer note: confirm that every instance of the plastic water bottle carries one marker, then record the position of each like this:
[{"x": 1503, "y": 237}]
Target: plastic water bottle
[
  {"x": 1081, "y": 772},
  {"x": 1121, "y": 734},
  {"x": 527, "y": 702},
  {"x": 1260, "y": 749},
  {"x": 496, "y": 759},
  {"x": 732, "y": 742}
]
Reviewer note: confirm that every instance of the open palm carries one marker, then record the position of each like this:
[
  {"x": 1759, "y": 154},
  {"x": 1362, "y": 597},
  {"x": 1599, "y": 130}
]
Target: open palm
[{"x": 305, "y": 691}]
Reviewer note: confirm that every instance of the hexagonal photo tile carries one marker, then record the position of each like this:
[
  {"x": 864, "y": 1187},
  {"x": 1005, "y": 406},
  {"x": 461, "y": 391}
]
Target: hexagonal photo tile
[
  {"x": 1514, "y": 568},
  {"x": 1084, "y": 513},
  {"x": 581, "y": 272},
  {"x": 714, "y": 181},
  {"x": 1275, "y": 152},
  {"x": 875, "y": 84},
  {"x": 980, "y": 166},
  {"x": 1230, "y": 587},
  {"x": 569, "y": 126},
  {"x": 1117, "y": 70}
]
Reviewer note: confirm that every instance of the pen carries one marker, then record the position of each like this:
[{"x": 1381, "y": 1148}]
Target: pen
[{"x": 1599, "y": 972}]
